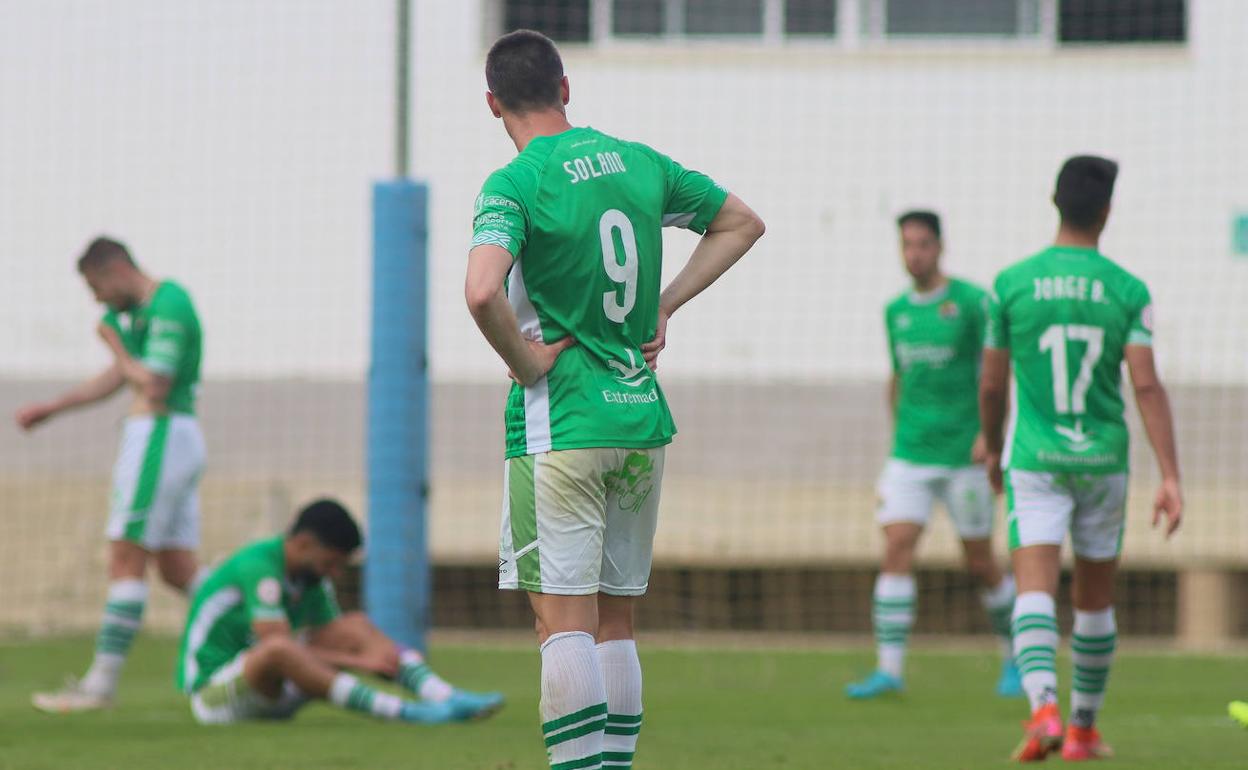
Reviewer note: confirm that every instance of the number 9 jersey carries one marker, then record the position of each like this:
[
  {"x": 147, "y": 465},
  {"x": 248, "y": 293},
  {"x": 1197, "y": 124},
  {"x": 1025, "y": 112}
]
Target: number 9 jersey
[
  {"x": 1066, "y": 315},
  {"x": 581, "y": 214}
]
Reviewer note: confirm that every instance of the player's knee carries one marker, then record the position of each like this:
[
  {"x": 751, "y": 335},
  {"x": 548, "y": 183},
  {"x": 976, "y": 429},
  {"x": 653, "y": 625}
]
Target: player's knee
[
  {"x": 898, "y": 554},
  {"x": 274, "y": 647}
]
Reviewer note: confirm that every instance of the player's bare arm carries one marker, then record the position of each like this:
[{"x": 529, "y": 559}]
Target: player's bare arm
[
  {"x": 151, "y": 389},
  {"x": 528, "y": 360},
  {"x": 731, "y": 233},
  {"x": 1154, "y": 406},
  {"x": 90, "y": 391},
  {"x": 993, "y": 382}
]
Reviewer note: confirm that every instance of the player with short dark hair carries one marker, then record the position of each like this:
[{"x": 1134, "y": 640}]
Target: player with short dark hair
[
  {"x": 153, "y": 333},
  {"x": 265, "y": 635},
  {"x": 1065, "y": 320},
  {"x": 564, "y": 280},
  {"x": 936, "y": 338}
]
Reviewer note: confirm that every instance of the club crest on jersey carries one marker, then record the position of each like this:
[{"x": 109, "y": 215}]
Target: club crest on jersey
[{"x": 949, "y": 310}]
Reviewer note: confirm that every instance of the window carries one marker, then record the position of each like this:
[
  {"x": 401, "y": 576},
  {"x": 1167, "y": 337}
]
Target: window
[
  {"x": 952, "y": 17},
  {"x": 747, "y": 19},
  {"x": 560, "y": 20},
  {"x": 1123, "y": 21},
  {"x": 810, "y": 17},
  {"x": 637, "y": 17},
  {"x": 724, "y": 17}
]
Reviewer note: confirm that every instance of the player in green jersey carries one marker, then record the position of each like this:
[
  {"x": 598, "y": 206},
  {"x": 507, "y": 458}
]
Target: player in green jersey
[
  {"x": 936, "y": 338},
  {"x": 265, "y": 635},
  {"x": 563, "y": 281},
  {"x": 1064, "y": 321},
  {"x": 153, "y": 334}
]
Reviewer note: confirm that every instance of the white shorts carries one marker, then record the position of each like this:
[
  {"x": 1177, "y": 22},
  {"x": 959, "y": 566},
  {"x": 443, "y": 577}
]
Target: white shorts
[
  {"x": 155, "y": 498},
  {"x": 580, "y": 521},
  {"x": 228, "y": 698},
  {"x": 1043, "y": 507},
  {"x": 908, "y": 491}
]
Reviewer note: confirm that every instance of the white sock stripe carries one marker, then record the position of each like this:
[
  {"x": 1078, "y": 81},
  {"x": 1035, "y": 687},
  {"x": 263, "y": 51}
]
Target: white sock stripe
[
  {"x": 898, "y": 618},
  {"x": 553, "y": 638},
  {"x": 127, "y": 590},
  {"x": 124, "y": 622},
  {"x": 565, "y": 728}
]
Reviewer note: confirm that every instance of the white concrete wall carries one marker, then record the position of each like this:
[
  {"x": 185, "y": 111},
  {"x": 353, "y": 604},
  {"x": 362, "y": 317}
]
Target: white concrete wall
[{"x": 233, "y": 144}]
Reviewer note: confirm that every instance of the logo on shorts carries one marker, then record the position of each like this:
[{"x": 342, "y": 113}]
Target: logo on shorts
[
  {"x": 633, "y": 483},
  {"x": 269, "y": 591},
  {"x": 631, "y": 375}
]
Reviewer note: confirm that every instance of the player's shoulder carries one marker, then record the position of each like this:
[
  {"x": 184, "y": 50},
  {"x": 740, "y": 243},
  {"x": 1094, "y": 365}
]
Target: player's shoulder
[
  {"x": 171, "y": 295},
  {"x": 1123, "y": 277},
  {"x": 1021, "y": 272},
  {"x": 259, "y": 556},
  {"x": 966, "y": 291},
  {"x": 898, "y": 302}
]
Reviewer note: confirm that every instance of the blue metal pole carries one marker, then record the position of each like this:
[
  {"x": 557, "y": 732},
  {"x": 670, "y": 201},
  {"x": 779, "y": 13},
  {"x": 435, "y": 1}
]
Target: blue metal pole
[{"x": 396, "y": 570}]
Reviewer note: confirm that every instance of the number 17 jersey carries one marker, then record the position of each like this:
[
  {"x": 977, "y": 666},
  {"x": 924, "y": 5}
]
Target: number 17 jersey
[
  {"x": 581, "y": 214},
  {"x": 1066, "y": 315}
]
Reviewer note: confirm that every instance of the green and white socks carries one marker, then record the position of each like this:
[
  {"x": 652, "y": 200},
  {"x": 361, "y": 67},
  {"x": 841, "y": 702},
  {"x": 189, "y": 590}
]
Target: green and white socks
[
  {"x": 123, "y": 614},
  {"x": 621, "y": 672},
  {"x": 349, "y": 693},
  {"x": 416, "y": 676},
  {"x": 574, "y": 702},
  {"x": 1035, "y": 646},
  {"x": 999, "y": 604},
  {"x": 892, "y": 616},
  {"x": 1092, "y": 651}
]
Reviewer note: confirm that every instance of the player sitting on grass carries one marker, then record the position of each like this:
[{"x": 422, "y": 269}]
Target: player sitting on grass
[
  {"x": 935, "y": 338},
  {"x": 1066, "y": 319},
  {"x": 265, "y": 636}
]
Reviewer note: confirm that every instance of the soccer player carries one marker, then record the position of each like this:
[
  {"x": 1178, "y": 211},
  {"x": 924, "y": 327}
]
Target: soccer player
[
  {"x": 563, "y": 281},
  {"x": 1064, "y": 320},
  {"x": 265, "y": 635},
  {"x": 153, "y": 334},
  {"x": 936, "y": 338}
]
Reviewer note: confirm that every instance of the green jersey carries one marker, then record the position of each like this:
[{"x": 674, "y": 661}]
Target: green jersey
[
  {"x": 252, "y": 585},
  {"x": 581, "y": 214},
  {"x": 936, "y": 341},
  {"x": 1065, "y": 315},
  {"x": 164, "y": 336}
]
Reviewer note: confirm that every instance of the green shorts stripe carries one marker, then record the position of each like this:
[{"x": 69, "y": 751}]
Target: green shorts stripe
[
  {"x": 522, "y": 506},
  {"x": 149, "y": 478}
]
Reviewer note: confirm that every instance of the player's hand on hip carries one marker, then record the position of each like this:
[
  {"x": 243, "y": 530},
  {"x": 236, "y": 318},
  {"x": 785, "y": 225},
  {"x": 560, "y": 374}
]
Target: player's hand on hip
[
  {"x": 1169, "y": 503},
  {"x": 979, "y": 450},
  {"x": 544, "y": 357},
  {"x": 31, "y": 415},
  {"x": 650, "y": 351},
  {"x": 992, "y": 463}
]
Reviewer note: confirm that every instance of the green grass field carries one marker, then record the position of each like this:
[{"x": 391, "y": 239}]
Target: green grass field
[{"x": 735, "y": 710}]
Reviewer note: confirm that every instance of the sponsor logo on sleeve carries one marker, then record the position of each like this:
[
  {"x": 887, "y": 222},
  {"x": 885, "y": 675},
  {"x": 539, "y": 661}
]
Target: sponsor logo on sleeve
[{"x": 269, "y": 591}]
